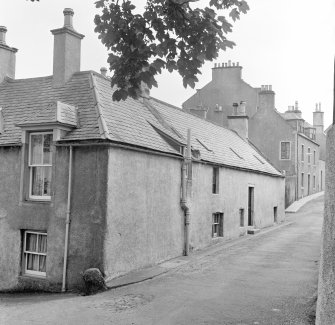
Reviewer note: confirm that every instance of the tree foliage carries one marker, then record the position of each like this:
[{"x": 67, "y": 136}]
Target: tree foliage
[{"x": 176, "y": 35}]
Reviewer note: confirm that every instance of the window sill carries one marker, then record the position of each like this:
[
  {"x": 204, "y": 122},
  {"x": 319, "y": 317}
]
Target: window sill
[
  {"x": 33, "y": 202},
  {"x": 33, "y": 277}
]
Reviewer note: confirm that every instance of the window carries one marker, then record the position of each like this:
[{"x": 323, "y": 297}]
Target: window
[
  {"x": 302, "y": 179},
  {"x": 35, "y": 253},
  {"x": 302, "y": 152},
  {"x": 241, "y": 217},
  {"x": 285, "y": 150},
  {"x": 217, "y": 225},
  {"x": 215, "y": 187},
  {"x": 40, "y": 165},
  {"x": 309, "y": 155},
  {"x": 314, "y": 181},
  {"x": 275, "y": 214},
  {"x": 314, "y": 157}
]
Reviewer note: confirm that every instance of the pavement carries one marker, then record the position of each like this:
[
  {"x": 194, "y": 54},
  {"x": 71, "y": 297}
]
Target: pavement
[
  {"x": 295, "y": 206},
  {"x": 149, "y": 273}
]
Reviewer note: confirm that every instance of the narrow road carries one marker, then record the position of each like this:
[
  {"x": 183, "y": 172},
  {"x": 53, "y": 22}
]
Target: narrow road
[{"x": 269, "y": 279}]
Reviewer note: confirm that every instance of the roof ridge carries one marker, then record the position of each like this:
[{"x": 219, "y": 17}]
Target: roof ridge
[{"x": 101, "y": 121}]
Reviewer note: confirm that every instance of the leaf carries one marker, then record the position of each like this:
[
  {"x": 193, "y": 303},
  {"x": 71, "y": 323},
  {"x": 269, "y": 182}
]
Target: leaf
[{"x": 168, "y": 34}]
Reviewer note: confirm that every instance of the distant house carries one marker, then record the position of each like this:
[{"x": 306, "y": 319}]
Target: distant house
[
  {"x": 290, "y": 144},
  {"x": 89, "y": 182},
  {"x": 287, "y": 140},
  {"x": 214, "y": 101}
]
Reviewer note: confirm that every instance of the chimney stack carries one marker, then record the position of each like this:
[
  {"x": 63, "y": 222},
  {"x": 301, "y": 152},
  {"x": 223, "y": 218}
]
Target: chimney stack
[
  {"x": 266, "y": 97},
  {"x": 7, "y": 57},
  {"x": 238, "y": 121},
  {"x": 318, "y": 119},
  {"x": 103, "y": 71},
  {"x": 67, "y": 44}
]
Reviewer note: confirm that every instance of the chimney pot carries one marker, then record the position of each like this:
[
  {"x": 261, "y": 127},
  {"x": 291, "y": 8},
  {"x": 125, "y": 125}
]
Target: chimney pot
[
  {"x": 238, "y": 64},
  {"x": 215, "y": 65},
  {"x": 233, "y": 64},
  {"x": 320, "y": 107},
  {"x": 103, "y": 71},
  {"x": 229, "y": 63},
  {"x": 270, "y": 87},
  {"x": 3, "y": 31},
  {"x": 68, "y": 14}
]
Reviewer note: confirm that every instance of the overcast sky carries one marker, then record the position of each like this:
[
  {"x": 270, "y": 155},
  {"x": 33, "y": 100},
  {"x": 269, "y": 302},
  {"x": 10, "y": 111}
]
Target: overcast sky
[{"x": 289, "y": 44}]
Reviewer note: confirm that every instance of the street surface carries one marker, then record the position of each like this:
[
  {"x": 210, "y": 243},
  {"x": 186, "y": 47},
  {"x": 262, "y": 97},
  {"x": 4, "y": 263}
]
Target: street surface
[{"x": 269, "y": 279}]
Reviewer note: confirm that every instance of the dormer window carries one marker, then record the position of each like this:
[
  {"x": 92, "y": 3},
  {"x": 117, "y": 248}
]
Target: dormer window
[{"x": 40, "y": 165}]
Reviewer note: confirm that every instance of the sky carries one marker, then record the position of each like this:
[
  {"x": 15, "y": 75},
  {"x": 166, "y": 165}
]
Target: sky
[{"x": 289, "y": 44}]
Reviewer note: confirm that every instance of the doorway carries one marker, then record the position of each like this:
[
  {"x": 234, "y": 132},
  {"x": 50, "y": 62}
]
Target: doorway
[
  {"x": 308, "y": 184},
  {"x": 250, "y": 206}
]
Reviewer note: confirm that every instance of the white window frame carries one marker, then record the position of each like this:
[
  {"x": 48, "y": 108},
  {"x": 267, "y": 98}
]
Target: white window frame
[
  {"x": 30, "y": 166},
  {"x": 219, "y": 225},
  {"x": 25, "y": 252},
  {"x": 280, "y": 151}
]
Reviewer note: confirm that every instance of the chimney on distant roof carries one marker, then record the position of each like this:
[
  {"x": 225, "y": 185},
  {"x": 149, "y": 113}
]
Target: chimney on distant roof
[
  {"x": 7, "y": 57},
  {"x": 238, "y": 121},
  {"x": 318, "y": 119},
  {"x": 67, "y": 43},
  {"x": 103, "y": 71},
  {"x": 266, "y": 97},
  {"x": 226, "y": 72}
]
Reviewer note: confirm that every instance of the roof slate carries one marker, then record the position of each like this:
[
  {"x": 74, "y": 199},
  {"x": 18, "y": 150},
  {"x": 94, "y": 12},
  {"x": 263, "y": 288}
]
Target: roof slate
[{"x": 142, "y": 123}]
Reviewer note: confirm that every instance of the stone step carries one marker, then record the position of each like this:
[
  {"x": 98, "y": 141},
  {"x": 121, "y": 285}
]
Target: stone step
[{"x": 253, "y": 231}]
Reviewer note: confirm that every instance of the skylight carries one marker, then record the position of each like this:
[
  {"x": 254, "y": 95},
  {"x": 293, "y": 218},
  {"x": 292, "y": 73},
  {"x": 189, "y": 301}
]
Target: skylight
[
  {"x": 236, "y": 153},
  {"x": 204, "y": 144}
]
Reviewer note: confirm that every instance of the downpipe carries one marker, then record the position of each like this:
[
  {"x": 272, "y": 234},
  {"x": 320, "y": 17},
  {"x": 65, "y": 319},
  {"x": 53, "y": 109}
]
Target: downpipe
[
  {"x": 184, "y": 204},
  {"x": 67, "y": 222}
]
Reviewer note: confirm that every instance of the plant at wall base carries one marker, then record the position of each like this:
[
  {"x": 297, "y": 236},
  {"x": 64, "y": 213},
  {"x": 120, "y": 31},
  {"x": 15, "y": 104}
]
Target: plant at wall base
[{"x": 175, "y": 35}]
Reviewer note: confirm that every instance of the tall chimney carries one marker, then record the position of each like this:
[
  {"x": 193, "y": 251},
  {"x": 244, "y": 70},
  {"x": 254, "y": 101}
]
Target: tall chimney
[
  {"x": 67, "y": 43},
  {"x": 266, "y": 97},
  {"x": 239, "y": 120},
  {"x": 7, "y": 57},
  {"x": 318, "y": 119}
]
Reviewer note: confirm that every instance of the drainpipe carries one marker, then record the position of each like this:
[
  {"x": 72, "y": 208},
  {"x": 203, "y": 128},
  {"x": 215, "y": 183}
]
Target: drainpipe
[
  {"x": 297, "y": 164},
  {"x": 184, "y": 205},
  {"x": 67, "y": 222}
]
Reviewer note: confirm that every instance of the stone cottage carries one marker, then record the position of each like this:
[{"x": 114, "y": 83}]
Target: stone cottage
[{"x": 89, "y": 182}]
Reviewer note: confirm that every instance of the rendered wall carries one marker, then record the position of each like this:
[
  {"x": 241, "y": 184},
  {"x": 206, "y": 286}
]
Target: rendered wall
[
  {"x": 290, "y": 190},
  {"x": 87, "y": 218},
  {"x": 325, "y": 313},
  {"x": 266, "y": 130},
  {"x": 233, "y": 195},
  {"x": 144, "y": 218}
]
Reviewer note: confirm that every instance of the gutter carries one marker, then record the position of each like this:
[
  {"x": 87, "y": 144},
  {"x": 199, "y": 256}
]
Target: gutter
[
  {"x": 184, "y": 204},
  {"x": 67, "y": 222}
]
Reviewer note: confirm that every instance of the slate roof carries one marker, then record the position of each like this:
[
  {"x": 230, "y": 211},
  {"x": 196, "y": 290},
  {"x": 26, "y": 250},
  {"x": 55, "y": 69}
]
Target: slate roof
[{"x": 141, "y": 123}]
